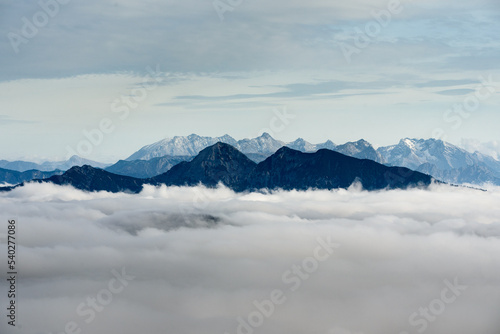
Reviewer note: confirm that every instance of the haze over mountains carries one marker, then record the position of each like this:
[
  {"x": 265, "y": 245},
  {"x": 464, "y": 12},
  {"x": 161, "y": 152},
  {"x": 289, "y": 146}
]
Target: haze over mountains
[
  {"x": 286, "y": 169},
  {"x": 15, "y": 177},
  {"x": 147, "y": 168},
  {"x": 22, "y": 166},
  {"x": 444, "y": 161}
]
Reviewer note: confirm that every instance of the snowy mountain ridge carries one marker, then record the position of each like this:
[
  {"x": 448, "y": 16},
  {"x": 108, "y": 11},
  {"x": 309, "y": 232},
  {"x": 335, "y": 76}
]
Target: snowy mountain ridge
[
  {"x": 264, "y": 144},
  {"x": 443, "y": 160}
]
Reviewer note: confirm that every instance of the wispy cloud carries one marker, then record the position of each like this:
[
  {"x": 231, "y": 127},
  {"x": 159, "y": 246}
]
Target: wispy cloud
[
  {"x": 453, "y": 92},
  {"x": 7, "y": 120}
]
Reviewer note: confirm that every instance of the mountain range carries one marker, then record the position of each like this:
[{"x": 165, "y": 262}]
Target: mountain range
[
  {"x": 443, "y": 160},
  {"x": 260, "y": 147},
  {"x": 440, "y": 159},
  {"x": 15, "y": 177},
  {"x": 286, "y": 169},
  {"x": 22, "y": 166}
]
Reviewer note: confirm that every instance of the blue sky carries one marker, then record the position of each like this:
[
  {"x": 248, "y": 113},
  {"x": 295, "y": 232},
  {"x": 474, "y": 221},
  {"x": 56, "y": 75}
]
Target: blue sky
[{"x": 415, "y": 72}]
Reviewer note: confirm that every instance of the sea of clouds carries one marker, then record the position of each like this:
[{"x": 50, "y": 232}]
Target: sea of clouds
[{"x": 196, "y": 260}]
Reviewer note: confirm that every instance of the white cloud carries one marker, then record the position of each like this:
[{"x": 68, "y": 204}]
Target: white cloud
[
  {"x": 491, "y": 148},
  {"x": 201, "y": 257}
]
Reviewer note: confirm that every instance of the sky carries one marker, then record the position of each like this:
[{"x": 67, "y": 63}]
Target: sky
[
  {"x": 124, "y": 74},
  {"x": 197, "y": 260}
]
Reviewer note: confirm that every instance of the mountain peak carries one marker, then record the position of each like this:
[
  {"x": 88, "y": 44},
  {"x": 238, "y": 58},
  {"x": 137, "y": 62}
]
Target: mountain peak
[
  {"x": 302, "y": 145},
  {"x": 85, "y": 169},
  {"x": 407, "y": 141},
  {"x": 299, "y": 141},
  {"x": 220, "y": 162},
  {"x": 363, "y": 142},
  {"x": 220, "y": 152},
  {"x": 328, "y": 145},
  {"x": 227, "y": 137},
  {"x": 326, "y": 169},
  {"x": 426, "y": 154},
  {"x": 94, "y": 179},
  {"x": 360, "y": 149},
  {"x": 221, "y": 147},
  {"x": 286, "y": 149}
]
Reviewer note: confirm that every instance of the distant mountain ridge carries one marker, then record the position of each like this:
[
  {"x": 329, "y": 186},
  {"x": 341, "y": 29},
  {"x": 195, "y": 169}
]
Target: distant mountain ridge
[
  {"x": 179, "y": 146},
  {"x": 15, "y": 177},
  {"x": 442, "y": 160},
  {"x": 262, "y": 146},
  {"x": 286, "y": 169},
  {"x": 22, "y": 166},
  {"x": 144, "y": 169}
]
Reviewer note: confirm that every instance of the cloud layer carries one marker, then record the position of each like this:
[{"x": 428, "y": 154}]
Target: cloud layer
[
  {"x": 103, "y": 36},
  {"x": 203, "y": 258}
]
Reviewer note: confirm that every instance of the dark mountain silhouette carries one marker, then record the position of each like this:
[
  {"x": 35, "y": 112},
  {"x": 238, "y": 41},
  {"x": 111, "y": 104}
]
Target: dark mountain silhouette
[
  {"x": 95, "y": 179},
  {"x": 257, "y": 157},
  {"x": 290, "y": 169},
  {"x": 286, "y": 169},
  {"x": 218, "y": 163}
]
